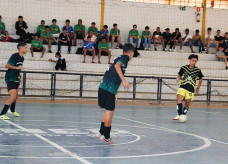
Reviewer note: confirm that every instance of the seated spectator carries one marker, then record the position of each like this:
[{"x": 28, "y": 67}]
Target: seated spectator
[
  {"x": 221, "y": 55},
  {"x": 79, "y": 31},
  {"x": 92, "y": 36},
  {"x": 3, "y": 29},
  {"x": 64, "y": 39},
  {"x": 197, "y": 41},
  {"x": 89, "y": 49},
  {"x": 54, "y": 28},
  {"x": 70, "y": 30},
  {"x": 176, "y": 38},
  {"x": 157, "y": 37},
  {"x": 225, "y": 42},
  {"x": 134, "y": 36},
  {"x": 146, "y": 35},
  {"x": 104, "y": 50},
  {"x": 41, "y": 27},
  {"x": 93, "y": 28},
  {"x": 20, "y": 27},
  {"x": 60, "y": 62},
  {"x": 166, "y": 39},
  {"x": 115, "y": 36},
  {"x": 187, "y": 38},
  {"x": 47, "y": 38},
  {"x": 218, "y": 40},
  {"x": 37, "y": 46},
  {"x": 104, "y": 33},
  {"x": 210, "y": 41}
]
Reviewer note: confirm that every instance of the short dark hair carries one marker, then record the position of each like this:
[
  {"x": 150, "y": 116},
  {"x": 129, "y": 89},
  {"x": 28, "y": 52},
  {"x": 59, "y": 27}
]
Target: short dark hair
[
  {"x": 209, "y": 29},
  {"x": 193, "y": 56},
  {"x": 186, "y": 29},
  {"x": 218, "y": 30},
  {"x": 128, "y": 47},
  {"x": 36, "y": 35},
  {"x": 147, "y": 28},
  {"x": 0, "y": 16},
  {"x": 21, "y": 44},
  {"x": 64, "y": 28},
  {"x": 80, "y": 20},
  {"x": 58, "y": 53},
  {"x": 88, "y": 37},
  {"x": 104, "y": 38},
  {"x": 226, "y": 33},
  {"x": 197, "y": 31},
  {"x": 54, "y": 20},
  {"x": 68, "y": 20},
  {"x": 93, "y": 23},
  {"x": 20, "y": 16},
  {"x": 105, "y": 26},
  {"x": 177, "y": 29},
  {"x": 158, "y": 27},
  {"x": 114, "y": 24},
  {"x": 42, "y": 21},
  {"x": 90, "y": 30},
  {"x": 134, "y": 25},
  {"x": 46, "y": 27}
]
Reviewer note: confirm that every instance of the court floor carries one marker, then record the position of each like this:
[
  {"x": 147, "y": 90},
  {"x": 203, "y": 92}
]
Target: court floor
[{"x": 64, "y": 134}]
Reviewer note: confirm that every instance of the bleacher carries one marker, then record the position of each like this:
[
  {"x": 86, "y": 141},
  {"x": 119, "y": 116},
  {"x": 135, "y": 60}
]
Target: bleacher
[{"x": 149, "y": 64}]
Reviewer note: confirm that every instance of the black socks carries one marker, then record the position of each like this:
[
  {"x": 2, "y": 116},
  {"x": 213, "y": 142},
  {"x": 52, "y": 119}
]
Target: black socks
[
  {"x": 179, "y": 108},
  {"x": 5, "y": 109},
  {"x": 12, "y": 107}
]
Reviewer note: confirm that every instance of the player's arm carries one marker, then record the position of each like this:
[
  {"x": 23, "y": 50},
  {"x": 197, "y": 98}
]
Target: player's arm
[
  {"x": 180, "y": 73},
  {"x": 119, "y": 72},
  {"x": 13, "y": 67},
  {"x": 178, "y": 78},
  {"x": 21, "y": 79},
  {"x": 198, "y": 86}
]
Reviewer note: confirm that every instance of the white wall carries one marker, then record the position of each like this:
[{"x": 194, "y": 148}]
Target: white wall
[{"x": 125, "y": 14}]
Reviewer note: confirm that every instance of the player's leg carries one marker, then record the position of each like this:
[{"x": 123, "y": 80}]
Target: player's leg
[
  {"x": 84, "y": 54},
  {"x": 112, "y": 41},
  {"x": 13, "y": 105},
  {"x": 99, "y": 56},
  {"x": 118, "y": 40},
  {"x": 186, "y": 106},
  {"x": 180, "y": 41},
  {"x": 109, "y": 57},
  {"x": 31, "y": 49},
  {"x": 94, "y": 54},
  {"x": 180, "y": 96},
  {"x": 43, "y": 51}
]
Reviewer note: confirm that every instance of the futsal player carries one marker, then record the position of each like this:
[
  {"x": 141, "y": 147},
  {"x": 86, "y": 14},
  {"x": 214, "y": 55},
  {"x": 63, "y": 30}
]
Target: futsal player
[
  {"x": 13, "y": 79},
  {"x": 188, "y": 74},
  {"x": 108, "y": 89}
]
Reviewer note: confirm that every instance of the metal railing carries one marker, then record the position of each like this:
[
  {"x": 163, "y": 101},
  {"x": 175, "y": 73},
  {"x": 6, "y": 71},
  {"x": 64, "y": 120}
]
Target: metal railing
[{"x": 160, "y": 83}]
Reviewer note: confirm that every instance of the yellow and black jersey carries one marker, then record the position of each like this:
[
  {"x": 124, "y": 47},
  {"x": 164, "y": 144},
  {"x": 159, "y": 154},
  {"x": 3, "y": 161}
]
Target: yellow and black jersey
[{"x": 189, "y": 77}]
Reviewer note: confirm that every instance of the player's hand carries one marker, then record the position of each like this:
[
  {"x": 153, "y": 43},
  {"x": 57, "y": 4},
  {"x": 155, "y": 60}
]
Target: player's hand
[
  {"x": 126, "y": 84},
  {"x": 21, "y": 79},
  {"x": 116, "y": 97},
  {"x": 178, "y": 79},
  {"x": 19, "y": 67},
  {"x": 197, "y": 90}
]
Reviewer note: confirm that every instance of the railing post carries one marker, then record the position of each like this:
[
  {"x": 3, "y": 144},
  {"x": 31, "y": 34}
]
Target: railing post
[
  {"x": 208, "y": 92},
  {"x": 159, "y": 90},
  {"x": 134, "y": 88},
  {"x": 53, "y": 83},
  {"x": 24, "y": 84},
  {"x": 81, "y": 85}
]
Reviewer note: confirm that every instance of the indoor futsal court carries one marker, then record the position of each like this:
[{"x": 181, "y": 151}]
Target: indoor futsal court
[{"x": 57, "y": 134}]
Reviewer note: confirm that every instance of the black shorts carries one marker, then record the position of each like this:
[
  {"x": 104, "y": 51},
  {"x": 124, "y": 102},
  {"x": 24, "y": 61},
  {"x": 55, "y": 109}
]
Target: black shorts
[
  {"x": 106, "y": 99},
  {"x": 12, "y": 85},
  {"x": 80, "y": 37},
  {"x": 116, "y": 38},
  {"x": 103, "y": 53},
  {"x": 37, "y": 50},
  {"x": 90, "y": 53}
]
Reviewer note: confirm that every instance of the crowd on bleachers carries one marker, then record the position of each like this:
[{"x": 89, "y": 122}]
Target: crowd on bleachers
[{"x": 97, "y": 42}]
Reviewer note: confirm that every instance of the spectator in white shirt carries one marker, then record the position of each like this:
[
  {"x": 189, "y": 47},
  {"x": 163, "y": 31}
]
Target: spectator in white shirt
[
  {"x": 210, "y": 40},
  {"x": 187, "y": 38}
]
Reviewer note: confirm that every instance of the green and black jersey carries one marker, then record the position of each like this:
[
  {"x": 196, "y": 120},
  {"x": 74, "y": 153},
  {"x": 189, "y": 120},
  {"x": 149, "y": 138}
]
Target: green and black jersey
[
  {"x": 12, "y": 75},
  {"x": 189, "y": 77}
]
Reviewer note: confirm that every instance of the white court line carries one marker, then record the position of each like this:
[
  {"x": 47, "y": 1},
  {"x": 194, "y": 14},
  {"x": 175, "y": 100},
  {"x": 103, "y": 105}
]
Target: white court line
[
  {"x": 225, "y": 143},
  {"x": 29, "y": 157},
  {"x": 51, "y": 143}
]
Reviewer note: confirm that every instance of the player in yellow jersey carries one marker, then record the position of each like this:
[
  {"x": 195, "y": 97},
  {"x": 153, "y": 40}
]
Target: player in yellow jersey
[{"x": 188, "y": 75}]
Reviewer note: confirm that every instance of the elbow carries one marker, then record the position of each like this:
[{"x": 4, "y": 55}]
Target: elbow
[{"x": 6, "y": 66}]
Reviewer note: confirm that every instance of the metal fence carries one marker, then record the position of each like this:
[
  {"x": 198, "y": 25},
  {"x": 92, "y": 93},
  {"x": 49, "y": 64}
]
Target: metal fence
[{"x": 159, "y": 83}]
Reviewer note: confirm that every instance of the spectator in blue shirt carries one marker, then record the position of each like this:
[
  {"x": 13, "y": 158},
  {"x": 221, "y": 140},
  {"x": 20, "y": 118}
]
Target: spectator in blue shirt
[
  {"x": 104, "y": 34},
  {"x": 89, "y": 49},
  {"x": 70, "y": 30}
]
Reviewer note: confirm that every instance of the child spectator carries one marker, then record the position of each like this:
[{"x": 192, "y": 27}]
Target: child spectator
[
  {"x": 3, "y": 29},
  {"x": 166, "y": 39},
  {"x": 37, "y": 46},
  {"x": 115, "y": 36},
  {"x": 210, "y": 40},
  {"x": 218, "y": 40},
  {"x": 89, "y": 49},
  {"x": 20, "y": 27},
  {"x": 104, "y": 50},
  {"x": 221, "y": 55},
  {"x": 197, "y": 41},
  {"x": 64, "y": 39},
  {"x": 176, "y": 38},
  {"x": 70, "y": 30},
  {"x": 104, "y": 33},
  {"x": 157, "y": 37},
  {"x": 187, "y": 38},
  {"x": 60, "y": 62},
  {"x": 146, "y": 35},
  {"x": 54, "y": 28},
  {"x": 47, "y": 38},
  {"x": 79, "y": 31},
  {"x": 134, "y": 36},
  {"x": 41, "y": 27},
  {"x": 93, "y": 28}
]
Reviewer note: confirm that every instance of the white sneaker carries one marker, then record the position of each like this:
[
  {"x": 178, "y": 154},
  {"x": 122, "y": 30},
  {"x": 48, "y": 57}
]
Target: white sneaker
[
  {"x": 170, "y": 50},
  {"x": 108, "y": 141},
  {"x": 98, "y": 135},
  {"x": 176, "y": 118},
  {"x": 151, "y": 49},
  {"x": 181, "y": 50},
  {"x": 174, "y": 50}
]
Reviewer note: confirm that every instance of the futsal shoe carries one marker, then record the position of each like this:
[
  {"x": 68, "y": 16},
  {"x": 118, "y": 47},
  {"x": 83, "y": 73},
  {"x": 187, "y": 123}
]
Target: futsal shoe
[
  {"x": 108, "y": 140},
  {"x": 176, "y": 118},
  {"x": 98, "y": 135},
  {"x": 4, "y": 117},
  {"x": 16, "y": 114}
]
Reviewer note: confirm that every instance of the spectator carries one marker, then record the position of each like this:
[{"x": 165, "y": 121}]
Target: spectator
[
  {"x": 92, "y": 37},
  {"x": 93, "y": 28},
  {"x": 166, "y": 39},
  {"x": 221, "y": 55},
  {"x": 134, "y": 36},
  {"x": 54, "y": 28},
  {"x": 225, "y": 42},
  {"x": 115, "y": 35},
  {"x": 218, "y": 40},
  {"x": 157, "y": 37},
  {"x": 37, "y": 46},
  {"x": 3, "y": 29},
  {"x": 20, "y": 27},
  {"x": 197, "y": 41},
  {"x": 146, "y": 35},
  {"x": 64, "y": 39},
  {"x": 47, "y": 38},
  {"x": 210, "y": 41},
  {"x": 70, "y": 30},
  {"x": 176, "y": 38},
  {"x": 89, "y": 49},
  {"x": 41, "y": 27},
  {"x": 104, "y": 50},
  {"x": 79, "y": 31},
  {"x": 187, "y": 38},
  {"x": 60, "y": 62},
  {"x": 104, "y": 33}
]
